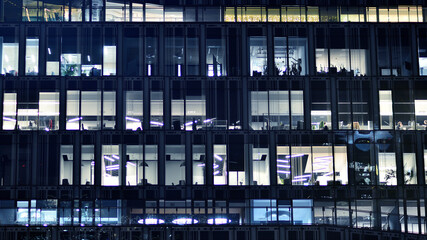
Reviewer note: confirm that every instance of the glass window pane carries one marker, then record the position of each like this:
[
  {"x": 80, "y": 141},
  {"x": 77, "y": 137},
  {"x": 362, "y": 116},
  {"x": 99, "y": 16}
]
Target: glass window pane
[
  {"x": 32, "y": 56},
  {"x": 66, "y": 165},
  {"x": 88, "y": 165},
  {"x": 134, "y": 110},
  {"x": 110, "y": 165},
  {"x": 258, "y": 55}
]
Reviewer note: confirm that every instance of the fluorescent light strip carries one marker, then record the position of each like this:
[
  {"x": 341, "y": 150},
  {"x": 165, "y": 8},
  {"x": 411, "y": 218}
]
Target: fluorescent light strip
[
  {"x": 216, "y": 172},
  {"x": 218, "y": 157},
  {"x": 112, "y": 166},
  {"x": 328, "y": 174},
  {"x": 109, "y": 158},
  {"x": 9, "y": 119},
  {"x": 303, "y": 176},
  {"x": 131, "y": 163},
  {"x": 286, "y": 172},
  {"x": 133, "y": 119},
  {"x": 115, "y": 157},
  {"x": 75, "y": 119},
  {"x": 294, "y": 156},
  {"x": 156, "y": 123},
  {"x": 190, "y": 123},
  {"x": 281, "y": 160},
  {"x": 299, "y": 180},
  {"x": 112, "y": 169},
  {"x": 284, "y": 166}
]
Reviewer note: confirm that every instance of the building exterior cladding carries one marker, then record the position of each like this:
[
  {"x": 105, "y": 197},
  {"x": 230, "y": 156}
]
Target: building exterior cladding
[{"x": 191, "y": 119}]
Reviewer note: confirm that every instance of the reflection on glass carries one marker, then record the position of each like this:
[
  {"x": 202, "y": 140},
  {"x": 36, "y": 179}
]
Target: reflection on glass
[
  {"x": 88, "y": 165},
  {"x": 32, "y": 57},
  {"x": 66, "y": 165}
]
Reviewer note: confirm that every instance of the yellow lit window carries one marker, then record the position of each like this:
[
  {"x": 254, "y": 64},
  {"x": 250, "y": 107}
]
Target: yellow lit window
[
  {"x": 253, "y": 14},
  {"x": 383, "y": 14},
  {"x": 294, "y": 14},
  {"x": 371, "y": 14},
  {"x": 274, "y": 15},
  {"x": 392, "y": 15},
  {"x": 312, "y": 14},
  {"x": 403, "y": 13},
  {"x": 420, "y": 14},
  {"x": 229, "y": 15}
]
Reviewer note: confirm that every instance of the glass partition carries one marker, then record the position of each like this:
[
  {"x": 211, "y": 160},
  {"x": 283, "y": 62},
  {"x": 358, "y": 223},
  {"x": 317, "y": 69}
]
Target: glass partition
[
  {"x": 66, "y": 165},
  {"x": 151, "y": 164},
  {"x": 109, "y": 110},
  {"x": 199, "y": 164},
  {"x": 220, "y": 160},
  {"x": 175, "y": 165},
  {"x": 215, "y": 53},
  {"x": 260, "y": 164},
  {"x": 88, "y": 165},
  {"x": 71, "y": 55},
  {"x": 386, "y": 109},
  {"x": 134, "y": 165},
  {"x": 156, "y": 108},
  {"x": 258, "y": 55},
  {"x": 32, "y": 56},
  {"x": 9, "y": 111},
  {"x": 111, "y": 164},
  {"x": 90, "y": 116},
  {"x": 9, "y": 48},
  {"x": 134, "y": 110}
]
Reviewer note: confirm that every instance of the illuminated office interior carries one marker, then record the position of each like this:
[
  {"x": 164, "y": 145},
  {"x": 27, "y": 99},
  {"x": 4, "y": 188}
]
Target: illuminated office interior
[{"x": 190, "y": 119}]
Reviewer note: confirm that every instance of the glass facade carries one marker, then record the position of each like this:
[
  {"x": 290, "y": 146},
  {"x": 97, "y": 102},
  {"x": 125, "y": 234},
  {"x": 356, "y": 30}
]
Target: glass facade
[{"x": 222, "y": 114}]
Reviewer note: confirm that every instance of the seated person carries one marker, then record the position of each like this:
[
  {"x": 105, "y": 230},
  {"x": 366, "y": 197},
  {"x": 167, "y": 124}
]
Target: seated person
[{"x": 399, "y": 126}]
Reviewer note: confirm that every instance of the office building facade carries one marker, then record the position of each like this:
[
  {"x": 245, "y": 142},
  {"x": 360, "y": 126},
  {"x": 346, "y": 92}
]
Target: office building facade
[{"x": 190, "y": 119}]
